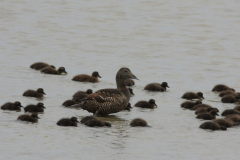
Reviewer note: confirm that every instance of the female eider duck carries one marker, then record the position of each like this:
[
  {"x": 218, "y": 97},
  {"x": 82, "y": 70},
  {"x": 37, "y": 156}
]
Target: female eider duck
[
  {"x": 49, "y": 70},
  {"x": 144, "y": 104},
  {"x": 87, "y": 78},
  {"x": 30, "y": 118},
  {"x": 138, "y": 122},
  {"x": 191, "y": 95},
  {"x": 107, "y": 101},
  {"x": 68, "y": 122},
  {"x": 16, "y": 106},
  {"x": 157, "y": 87},
  {"x": 35, "y": 108},
  {"x": 222, "y": 87},
  {"x": 31, "y": 93},
  {"x": 39, "y": 65}
]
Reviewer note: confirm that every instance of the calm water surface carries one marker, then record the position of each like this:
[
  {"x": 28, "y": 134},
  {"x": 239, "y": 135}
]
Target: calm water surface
[{"x": 192, "y": 45}]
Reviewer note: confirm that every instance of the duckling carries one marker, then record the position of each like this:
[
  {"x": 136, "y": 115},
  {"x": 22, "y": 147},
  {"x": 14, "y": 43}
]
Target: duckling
[
  {"x": 237, "y": 108},
  {"x": 224, "y": 122},
  {"x": 128, "y": 107},
  {"x": 68, "y": 122},
  {"x": 87, "y": 78},
  {"x": 212, "y": 126},
  {"x": 207, "y": 116},
  {"x": 190, "y": 105},
  {"x": 30, "y": 118},
  {"x": 157, "y": 87},
  {"x": 230, "y": 98},
  {"x": 95, "y": 122},
  {"x": 205, "y": 110},
  {"x": 221, "y": 87},
  {"x": 31, "y": 93},
  {"x": 129, "y": 82},
  {"x": 138, "y": 122},
  {"x": 35, "y": 108},
  {"x": 234, "y": 118},
  {"x": 82, "y": 94},
  {"x": 227, "y": 92},
  {"x": 201, "y": 106},
  {"x": 39, "y": 65},
  {"x": 230, "y": 111},
  {"x": 50, "y": 70},
  {"x": 87, "y": 118},
  {"x": 144, "y": 104},
  {"x": 191, "y": 95},
  {"x": 131, "y": 91},
  {"x": 16, "y": 106},
  {"x": 51, "y": 66}
]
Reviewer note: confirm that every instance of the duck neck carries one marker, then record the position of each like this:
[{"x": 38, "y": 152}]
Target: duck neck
[{"x": 122, "y": 88}]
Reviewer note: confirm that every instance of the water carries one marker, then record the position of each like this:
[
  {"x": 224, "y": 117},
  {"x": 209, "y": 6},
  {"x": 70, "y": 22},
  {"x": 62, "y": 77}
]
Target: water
[{"x": 192, "y": 45}]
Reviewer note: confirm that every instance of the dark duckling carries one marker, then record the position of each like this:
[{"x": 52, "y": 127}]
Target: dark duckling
[
  {"x": 230, "y": 98},
  {"x": 39, "y": 65},
  {"x": 227, "y": 92},
  {"x": 31, "y": 93},
  {"x": 224, "y": 122},
  {"x": 128, "y": 107},
  {"x": 50, "y": 70},
  {"x": 190, "y": 105},
  {"x": 212, "y": 126},
  {"x": 51, "y": 66},
  {"x": 191, "y": 95},
  {"x": 201, "y": 106},
  {"x": 87, "y": 118},
  {"x": 230, "y": 111},
  {"x": 68, "y": 122},
  {"x": 87, "y": 78},
  {"x": 131, "y": 91},
  {"x": 157, "y": 87},
  {"x": 144, "y": 104},
  {"x": 205, "y": 110},
  {"x": 95, "y": 122},
  {"x": 129, "y": 82},
  {"x": 16, "y": 106},
  {"x": 30, "y": 118},
  {"x": 35, "y": 108},
  {"x": 82, "y": 94},
  {"x": 68, "y": 103},
  {"x": 138, "y": 122},
  {"x": 221, "y": 87},
  {"x": 207, "y": 116}
]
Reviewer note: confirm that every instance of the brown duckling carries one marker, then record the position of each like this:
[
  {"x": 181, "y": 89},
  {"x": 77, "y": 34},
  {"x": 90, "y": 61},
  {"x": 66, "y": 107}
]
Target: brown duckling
[
  {"x": 51, "y": 66},
  {"x": 227, "y": 92},
  {"x": 131, "y": 91},
  {"x": 224, "y": 122},
  {"x": 230, "y": 111},
  {"x": 129, "y": 82},
  {"x": 95, "y": 122},
  {"x": 205, "y": 110},
  {"x": 234, "y": 118},
  {"x": 221, "y": 87},
  {"x": 31, "y": 93},
  {"x": 201, "y": 106},
  {"x": 138, "y": 122},
  {"x": 50, "y": 70},
  {"x": 128, "y": 107},
  {"x": 157, "y": 87},
  {"x": 87, "y": 78},
  {"x": 230, "y": 98},
  {"x": 82, "y": 94},
  {"x": 35, "y": 108},
  {"x": 30, "y": 118},
  {"x": 212, "y": 126},
  {"x": 87, "y": 118},
  {"x": 68, "y": 103},
  {"x": 68, "y": 122},
  {"x": 16, "y": 106},
  {"x": 39, "y": 65},
  {"x": 191, "y": 95},
  {"x": 144, "y": 104},
  {"x": 190, "y": 105},
  {"x": 207, "y": 116}
]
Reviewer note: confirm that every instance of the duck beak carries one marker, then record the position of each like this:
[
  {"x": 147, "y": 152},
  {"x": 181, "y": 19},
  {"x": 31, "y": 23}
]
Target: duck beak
[
  {"x": 38, "y": 118},
  {"x": 168, "y": 86},
  {"x": 43, "y": 107},
  {"x": 21, "y": 106},
  {"x": 203, "y": 97},
  {"x": 65, "y": 72},
  {"x": 134, "y": 77},
  {"x": 99, "y": 76},
  {"x": 155, "y": 105},
  {"x": 44, "y": 93},
  {"x": 77, "y": 121},
  {"x": 217, "y": 114}
]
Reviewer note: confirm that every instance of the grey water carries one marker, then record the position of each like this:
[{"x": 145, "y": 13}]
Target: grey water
[{"x": 192, "y": 45}]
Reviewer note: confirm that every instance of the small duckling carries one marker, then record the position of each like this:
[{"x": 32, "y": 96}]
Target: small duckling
[
  {"x": 16, "y": 106},
  {"x": 97, "y": 123},
  {"x": 224, "y": 122},
  {"x": 207, "y": 116},
  {"x": 138, "y": 122},
  {"x": 144, "y": 104},
  {"x": 87, "y": 118},
  {"x": 234, "y": 118},
  {"x": 87, "y": 78},
  {"x": 221, "y": 87},
  {"x": 131, "y": 91},
  {"x": 128, "y": 107},
  {"x": 205, "y": 110},
  {"x": 230, "y": 111},
  {"x": 50, "y": 70},
  {"x": 191, "y": 95},
  {"x": 190, "y": 105},
  {"x": 201, "y": 106},
  {"x": 129, "y": 82},
  {"x": 68, "y": 122},
  {"x": 82, "y": 94},
  {"x": 230, "y": 98},
  {"x": 35, "y": 108},
  {"x": 39, "y": 65},
  {"x": 157, "y": 87},
  {"x": 30, "y": 118},
  {"x": 31, "y": 93},
  {"x": 212, "y": 126},
  {"x": 68, "y": 103},
  {"x": 51, "y": 66},
  {"x": 237, "y": 108},
  {"x": 227, "y": 92}
]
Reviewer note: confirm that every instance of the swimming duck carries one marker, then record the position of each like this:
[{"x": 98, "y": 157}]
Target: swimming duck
[
  {"x": 82, "y": 94},
  {"x": 30, "y": 118},
  {"x": 87, "y": 78},
  {"x": 31, "y": 93},
  {"x": 50, "y": 70},
  {"x": 16, "y": 106},
  {"x": 222, "y": 87},
  {"x": 157, "y": 87},
  {"x": 129, "y": 82},
  {"x": 227, "y": 92},
  {"x": 230, "y": 111},
  {"x": 39, "y": 65},
  {"x": 212, "y": 126},
  {"x": 190, "y": 105},
  {"x": 87, "y": 118},
  {"x": 95, "y": 122},
  {"x": 224, "y": 122},
  {"x": 35, "y": 108},
  {"x": 68, "y": 122},
  {"x": 138, "y": 122},
  {"x": 205, "y": 110},
  {"x": 230, "y": 98},
  {"x": 207, "y": 116},
  {"x": 201, "y": 106},
  {"x": 144, "y": 104},
  {"x": 191, "y": 95}
]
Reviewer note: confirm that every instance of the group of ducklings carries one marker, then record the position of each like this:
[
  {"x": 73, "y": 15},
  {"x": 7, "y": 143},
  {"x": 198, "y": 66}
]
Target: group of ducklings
[
  {"x": 91, "y": 121},
  {"x": 207, "y": 112}
]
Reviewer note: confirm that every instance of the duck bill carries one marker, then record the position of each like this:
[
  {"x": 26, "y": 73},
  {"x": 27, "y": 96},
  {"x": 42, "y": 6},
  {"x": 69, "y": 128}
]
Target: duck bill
[
  {"x": 168, "y": 86},
  {"x": 99, "y": 76},
  {"x": 43, "y": 93},
  {"x": 155, "y": 105},
  {"x": 65, "y": 72},
  {"x": 134, "y": 77},
  {"x": 77, "y": 121},
  {"x": 21, "y": 106},
  {"x": 38, "y": 118},
  {"x": 43, "y": 107},
  {"x": 203, "y": 97},
  {"x": 217, "y": 114}
]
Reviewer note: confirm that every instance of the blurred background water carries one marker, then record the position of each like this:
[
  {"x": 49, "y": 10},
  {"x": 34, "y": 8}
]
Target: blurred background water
[{"x": 192, "y": 45}]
